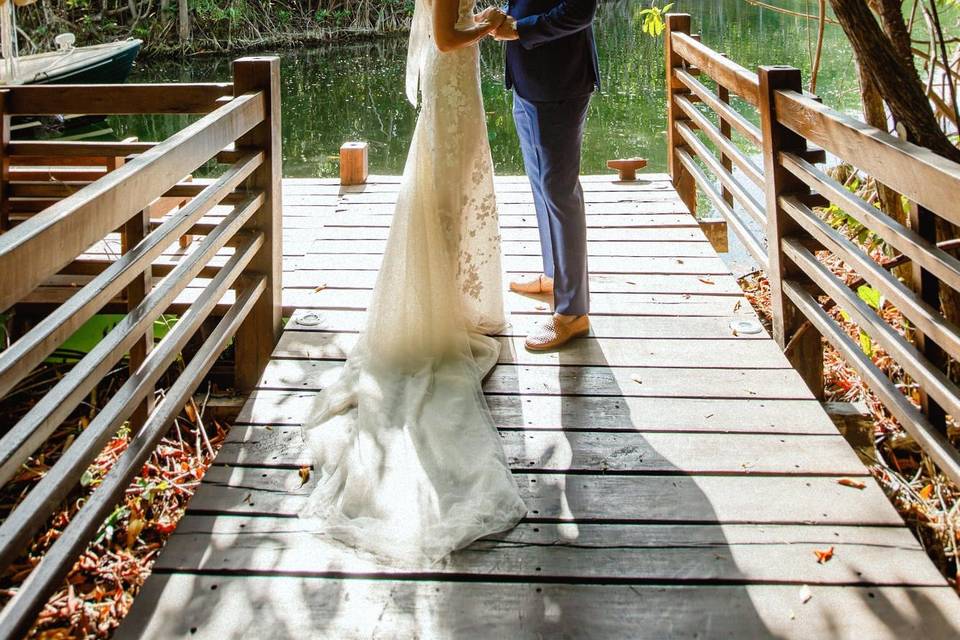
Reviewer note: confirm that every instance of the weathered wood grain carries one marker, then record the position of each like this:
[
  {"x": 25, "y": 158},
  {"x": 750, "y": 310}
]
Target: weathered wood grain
[
  {"x": 599, "y": 282},
  {"x": 612, "y": 352},
  {"x": 274, "y": 407},
  {"x": 710, "y": 265},
  {"x": 691, "y": 328},
  {"x": 626, "y": 221},
  {"x": 583, "y": 553},
  {"x": 215, "y": 607},
  {"x": 626, "y": 304},
  {"x": 661, "y": 382},
  {"x": 731, "y": 499},
  {"x": 563, "y": 451},
  {"x": 527, "y": 234},
  {"x": 695, "y": 249}
]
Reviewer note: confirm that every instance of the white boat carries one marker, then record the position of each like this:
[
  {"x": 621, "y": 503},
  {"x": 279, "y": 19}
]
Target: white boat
[{"x": 108, "y": 63}]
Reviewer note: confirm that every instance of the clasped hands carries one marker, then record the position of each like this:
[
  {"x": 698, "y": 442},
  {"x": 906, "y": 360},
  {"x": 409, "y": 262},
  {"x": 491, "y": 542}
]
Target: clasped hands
[{"x": 502, "y": 27}]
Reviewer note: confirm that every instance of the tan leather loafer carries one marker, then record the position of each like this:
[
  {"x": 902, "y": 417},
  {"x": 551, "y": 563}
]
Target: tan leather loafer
[
  {"x": 540, "y": 284},
  {"x": 557, "y": 332}
]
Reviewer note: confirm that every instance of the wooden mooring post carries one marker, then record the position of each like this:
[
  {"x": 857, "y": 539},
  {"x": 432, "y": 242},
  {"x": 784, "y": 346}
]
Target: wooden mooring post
[{"x": 353, "y": 163}]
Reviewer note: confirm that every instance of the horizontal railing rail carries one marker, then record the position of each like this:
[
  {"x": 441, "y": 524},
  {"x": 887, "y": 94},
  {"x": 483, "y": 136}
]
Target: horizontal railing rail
[
  {"x": 687, "y": 59},
  {"x": 795, "y": 133},
  {"x": 52, "y": 224}
]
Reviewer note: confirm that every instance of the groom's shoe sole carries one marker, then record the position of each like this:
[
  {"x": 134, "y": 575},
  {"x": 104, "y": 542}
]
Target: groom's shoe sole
[{"x": 558, "y": 342}]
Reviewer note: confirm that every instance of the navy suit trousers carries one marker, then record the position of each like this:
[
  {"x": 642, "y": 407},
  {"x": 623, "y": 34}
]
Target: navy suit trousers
[{"x": 551, "y": 136}]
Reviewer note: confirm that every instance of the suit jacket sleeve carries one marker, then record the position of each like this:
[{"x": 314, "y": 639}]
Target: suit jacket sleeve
[{"x": 566, "y": 18}]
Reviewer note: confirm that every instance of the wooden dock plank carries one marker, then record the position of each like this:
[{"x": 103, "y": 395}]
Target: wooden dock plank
[
  {"x": 659, "y": 382},
  {"x": 697, "y": 415},
  {"x": 651, "y": 498},
  {"x": 211, "y": 607},
  {"x": 560, "y": 451},
  {"x": 679, "y": 249},
  {"x": 356, "y": 279},
  {"x": 585, "y": 552},
  {"x": 691, "y": 328},
  {"x": 627, "y": 304},
  {"x": 612, "y": 352},
  {"x": 710, "y": 265}
]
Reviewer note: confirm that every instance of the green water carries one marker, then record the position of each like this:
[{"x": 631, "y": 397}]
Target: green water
[{"x": 354, "y": 91}]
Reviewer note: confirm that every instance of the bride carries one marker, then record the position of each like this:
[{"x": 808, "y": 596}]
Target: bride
[{"x": 410, "y": 463}]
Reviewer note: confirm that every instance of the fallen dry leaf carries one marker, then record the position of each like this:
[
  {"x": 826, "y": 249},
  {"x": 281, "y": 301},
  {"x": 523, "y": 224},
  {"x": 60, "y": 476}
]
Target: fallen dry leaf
[
  {"x": 319, "y": 288},
  {"x": 847, "y": 482},
  {"x": 191, "y": 410},
  {"x": 304, "y": 475},
  {"x": 706, "y": 280},
  {"x": 927, "y": 492},
  {"x": 134, "y": 527},
  {"x": 825, "y": 556}
]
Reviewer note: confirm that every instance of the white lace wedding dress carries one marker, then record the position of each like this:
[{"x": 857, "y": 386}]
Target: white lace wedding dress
[{"x": 410, "y": 464}]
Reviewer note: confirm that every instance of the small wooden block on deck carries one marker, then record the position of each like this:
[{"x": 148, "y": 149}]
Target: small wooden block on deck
[{"x": 353, "y": 163}]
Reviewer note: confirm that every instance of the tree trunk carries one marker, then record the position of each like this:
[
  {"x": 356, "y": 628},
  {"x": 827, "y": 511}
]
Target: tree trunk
[
  {"x": 875, "y": 114},
  {"x": 897, "y": 82},
  {"x": 184, "y": 23},
  {"x": 891, "y": 15}
]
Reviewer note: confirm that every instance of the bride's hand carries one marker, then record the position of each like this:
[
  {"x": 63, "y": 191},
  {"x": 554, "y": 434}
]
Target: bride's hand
[{"x": 490, "y": 18}]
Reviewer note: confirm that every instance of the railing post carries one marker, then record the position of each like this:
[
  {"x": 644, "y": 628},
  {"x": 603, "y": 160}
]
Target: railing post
[
  {"x": 4, "y": 162},
  {"x": 682, "y": 180},
  {"x": 804, "y": 349},
  {"x": 924, "y": 222},
  {"x": 131, "y": 234},
  {"x": 134, "y": 231},
  {"x": 259, "y": 333},
  {"x": 726, "y": 131}
]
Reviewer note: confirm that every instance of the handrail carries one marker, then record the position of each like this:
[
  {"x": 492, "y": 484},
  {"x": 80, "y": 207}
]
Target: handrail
[
  {"x": 241, "y": 131},
  {"x": 33, "y": 251},
  {"x": 117, "y": 99},
  {"x": 42, "y": 339},
  {"x": 796, "y": 130},
  {"x": 918, "y": 173},
  {"x": 724, "y": 71},
  {"x": 686, "y": 57}
]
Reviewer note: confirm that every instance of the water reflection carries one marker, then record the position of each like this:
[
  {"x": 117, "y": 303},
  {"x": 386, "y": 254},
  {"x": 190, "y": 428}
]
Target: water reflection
[{"x": 339, "y": 92}]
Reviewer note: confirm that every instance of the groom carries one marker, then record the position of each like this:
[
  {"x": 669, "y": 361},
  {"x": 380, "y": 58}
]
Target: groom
[{"x": 553, "y": 70}]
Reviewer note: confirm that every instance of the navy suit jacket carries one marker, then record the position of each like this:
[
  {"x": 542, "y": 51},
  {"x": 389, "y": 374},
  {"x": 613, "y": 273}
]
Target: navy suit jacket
[{"x": 555, "y": 57}]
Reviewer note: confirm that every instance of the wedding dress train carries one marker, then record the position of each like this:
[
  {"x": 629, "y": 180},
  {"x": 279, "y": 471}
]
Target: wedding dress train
[{"x": 409, "y": 461}]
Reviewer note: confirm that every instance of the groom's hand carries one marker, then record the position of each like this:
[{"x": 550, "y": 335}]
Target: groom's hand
[
  {"x": 491, "y": 16},
  {"x": 507, "y": 30}
]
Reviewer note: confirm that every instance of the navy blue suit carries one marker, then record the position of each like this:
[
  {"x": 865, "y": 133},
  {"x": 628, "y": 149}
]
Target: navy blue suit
[{"x": 553, "y": 70}]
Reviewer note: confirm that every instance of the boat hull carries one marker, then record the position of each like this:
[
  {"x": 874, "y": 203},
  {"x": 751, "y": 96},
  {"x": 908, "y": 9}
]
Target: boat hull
[{"x": 109, "y": 69}]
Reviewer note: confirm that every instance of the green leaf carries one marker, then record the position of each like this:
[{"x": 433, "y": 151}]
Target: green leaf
[
  {"x": 866, "y": 344},
  {"x": 870, "y": 295}
]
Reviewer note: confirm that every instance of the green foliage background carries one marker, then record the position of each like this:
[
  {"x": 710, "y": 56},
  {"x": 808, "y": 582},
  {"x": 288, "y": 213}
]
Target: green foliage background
[{"x": 215, "y": 25}]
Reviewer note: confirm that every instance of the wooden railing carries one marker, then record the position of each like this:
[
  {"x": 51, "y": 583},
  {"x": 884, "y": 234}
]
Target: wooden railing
[
  {"x": 795, "y": 133},
  {"x": 61, "y": 198}
]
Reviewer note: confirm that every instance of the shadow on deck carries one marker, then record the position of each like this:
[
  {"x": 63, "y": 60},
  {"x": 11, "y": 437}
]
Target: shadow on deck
[{"x": 679, "y": 477}]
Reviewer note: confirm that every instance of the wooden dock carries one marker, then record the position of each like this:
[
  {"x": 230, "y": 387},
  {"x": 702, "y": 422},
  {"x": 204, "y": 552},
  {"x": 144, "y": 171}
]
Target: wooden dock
[{"x": 679, "y": 476}]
